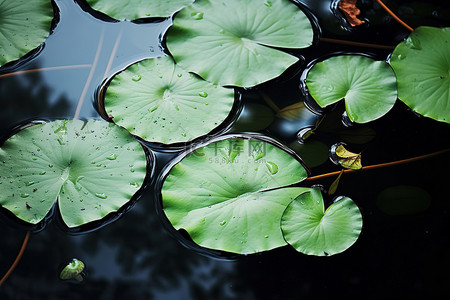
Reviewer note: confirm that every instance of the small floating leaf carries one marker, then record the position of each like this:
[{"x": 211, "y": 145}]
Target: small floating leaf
[
  {"x": 368, "y": 86},
  {"x": 209, "y": 196},
  {"x": 312, "y": 230},
  {"x": 347, "y": 159},
  {"x": 73, "y": 270},
  {"x": 72, "y": 176},
  {"x": 351, "y": 12}
]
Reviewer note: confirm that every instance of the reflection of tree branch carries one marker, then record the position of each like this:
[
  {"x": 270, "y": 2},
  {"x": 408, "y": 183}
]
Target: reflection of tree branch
[
  {"x": 89, "y": 79},
  {"x": 16, "y": 261}
]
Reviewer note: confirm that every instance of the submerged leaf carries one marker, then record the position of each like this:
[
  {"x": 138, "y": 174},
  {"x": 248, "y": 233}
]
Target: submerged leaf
[
  {"x": 88, "y": 167},
  {"x": 422, "y": 66},
  {"x": 227, "y": 195},
  {"x": 167, "y": 104},
  {"x": 231, "y": 43},
  {"x": 24, "y": 25},
  {"x": 312, "y": 230},
  {"x": 135, "y": 9},
  {"x": 335, "y": 184},
  {"x": 368, "y": 86},
  {"x": 292, "y": 112}
]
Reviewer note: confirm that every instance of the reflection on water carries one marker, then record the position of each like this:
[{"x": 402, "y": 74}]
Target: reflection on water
[{"x": 136, "y": 258}]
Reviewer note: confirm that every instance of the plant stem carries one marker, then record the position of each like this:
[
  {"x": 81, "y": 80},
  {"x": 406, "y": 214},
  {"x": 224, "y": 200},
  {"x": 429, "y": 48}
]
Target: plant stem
[
  {"x": 16, "y": 261},
  {"x": 394, "y": 16},
  {"x": 389, "y": 164},
  {"x": 358, "y": 44},
  {"x": 45, "y": 69}
]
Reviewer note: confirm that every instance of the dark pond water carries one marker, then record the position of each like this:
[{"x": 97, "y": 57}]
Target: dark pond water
[{"x": 398, "y": 256}]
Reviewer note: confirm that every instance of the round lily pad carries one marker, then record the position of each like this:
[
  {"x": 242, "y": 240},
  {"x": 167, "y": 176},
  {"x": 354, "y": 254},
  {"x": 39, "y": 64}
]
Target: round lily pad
[
  {"x": 422, "y": 66},
  {"x": 91, "y": 168},
  {"x": 24, "y": 25},
  {"x": 160, "y": 102},
  {"x": 312, "y": 230},
  {"x": 232, "y": 42},
  {"x": 229, "y": 194},
  {"x": 368, "y": 86},
  {"x": 135, "y": 9}
]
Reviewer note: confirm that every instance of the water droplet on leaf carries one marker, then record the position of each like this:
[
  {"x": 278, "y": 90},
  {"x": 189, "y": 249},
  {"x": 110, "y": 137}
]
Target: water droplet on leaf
[
  {"x": 101, "y": 195},
  {"x": 136, "y": 77},
  {"x": 272, "y": 167},
  {"x": 203, "y": 94}
]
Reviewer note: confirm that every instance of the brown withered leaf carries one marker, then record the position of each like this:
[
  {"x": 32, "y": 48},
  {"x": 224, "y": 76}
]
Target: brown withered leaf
[{"x": 351, "y": 12}]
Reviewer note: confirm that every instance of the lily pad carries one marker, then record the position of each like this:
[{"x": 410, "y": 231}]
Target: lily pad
[
  {"x": 312, "y": 230},
  {"x": 24, "y": 25},
  {"x": 91, "y": 168},
  {"x": 227, "y": 194},
  {"x": 231, "y": 43},
  {"x": 422, "y": 66},
  {"x": 368, "y": 86},
  {"x": 160, "y": 102},
  {"x": 135, "y": 9}
]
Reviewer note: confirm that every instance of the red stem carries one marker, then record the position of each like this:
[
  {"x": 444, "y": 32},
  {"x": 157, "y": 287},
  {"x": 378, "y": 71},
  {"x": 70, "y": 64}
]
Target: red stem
[{"x": 16, "y": 261}]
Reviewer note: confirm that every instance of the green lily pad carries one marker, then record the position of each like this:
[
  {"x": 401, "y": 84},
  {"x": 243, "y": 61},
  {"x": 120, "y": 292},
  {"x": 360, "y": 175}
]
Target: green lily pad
[
  {"x": 91, "y": 168},
  {"x": 368, "y": 86},
  {"x": 160, "y": 102},
  {"x": 231, "y": 43},
  {"x": 227, "y": 194},
  {"x": 135, "y": 9},
  {"x": 24, "y": 25},
  {"x": 312, "y": 230},
  {"x": 422, "y": 66}
]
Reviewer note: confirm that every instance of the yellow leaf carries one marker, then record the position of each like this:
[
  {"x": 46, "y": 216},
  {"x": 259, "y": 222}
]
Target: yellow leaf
[{"x": 347, "y": 159}]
